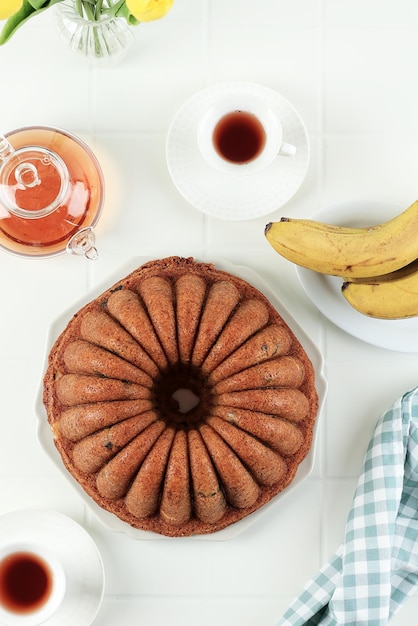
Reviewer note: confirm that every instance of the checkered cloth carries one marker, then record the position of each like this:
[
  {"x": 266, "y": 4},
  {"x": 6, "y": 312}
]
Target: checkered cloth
[{"x": 376, "y": 568}]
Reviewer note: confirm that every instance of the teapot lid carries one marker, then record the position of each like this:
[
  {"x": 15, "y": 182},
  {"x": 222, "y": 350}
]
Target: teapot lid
[{"x": 34, "y": 181}]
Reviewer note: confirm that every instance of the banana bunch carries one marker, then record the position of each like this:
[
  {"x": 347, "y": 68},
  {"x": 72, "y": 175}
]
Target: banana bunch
[{"x": 379, "y": 264}]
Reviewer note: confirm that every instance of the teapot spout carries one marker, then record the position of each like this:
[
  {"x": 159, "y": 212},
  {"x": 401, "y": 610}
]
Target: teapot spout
[{"x": 83, "y": 243}]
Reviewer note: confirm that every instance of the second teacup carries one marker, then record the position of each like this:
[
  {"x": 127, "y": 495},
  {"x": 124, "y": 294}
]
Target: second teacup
[{"x": 32, "y": 585}]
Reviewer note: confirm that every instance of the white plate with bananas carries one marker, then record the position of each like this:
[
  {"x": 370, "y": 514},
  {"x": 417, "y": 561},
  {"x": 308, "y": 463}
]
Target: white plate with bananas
[{"x": 325, "y": 291}]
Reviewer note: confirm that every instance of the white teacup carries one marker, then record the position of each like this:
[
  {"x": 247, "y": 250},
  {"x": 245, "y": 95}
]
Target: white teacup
[
  {"x": 32, "y": 585},
  {"x": 240, "y": 134}
]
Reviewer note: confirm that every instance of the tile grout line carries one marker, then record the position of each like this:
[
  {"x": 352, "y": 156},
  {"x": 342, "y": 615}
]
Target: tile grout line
[
  {"x": 323, "y": 338},
  {"x": 206, "y": 226}
]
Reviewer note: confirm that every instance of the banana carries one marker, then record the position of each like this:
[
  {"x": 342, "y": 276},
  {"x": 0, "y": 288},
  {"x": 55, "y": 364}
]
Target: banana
[
  {"x": 396, "y": 298},
  {"x": 400, "y": 273},
  {"x": 348, "y": 252}
]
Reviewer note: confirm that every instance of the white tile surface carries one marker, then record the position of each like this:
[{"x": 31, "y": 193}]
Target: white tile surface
[{"x": 349, "y": 67}]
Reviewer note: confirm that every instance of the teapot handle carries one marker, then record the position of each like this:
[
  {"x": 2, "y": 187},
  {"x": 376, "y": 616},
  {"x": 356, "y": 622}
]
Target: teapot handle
[
  {"x": 6, "y": 149},
  {"x": 26, "y": 173}
]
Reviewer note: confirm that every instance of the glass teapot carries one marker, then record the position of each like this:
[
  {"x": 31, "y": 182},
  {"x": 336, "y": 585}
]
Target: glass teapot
[{"x": 51, "y": 193}]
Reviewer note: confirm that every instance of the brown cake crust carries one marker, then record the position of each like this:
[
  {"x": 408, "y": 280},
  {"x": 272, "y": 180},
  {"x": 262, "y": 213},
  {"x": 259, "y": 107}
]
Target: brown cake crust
[{"x": 171, "y": 324}]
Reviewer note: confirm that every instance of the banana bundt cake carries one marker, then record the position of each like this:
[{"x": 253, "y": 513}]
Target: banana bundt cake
[{"x": 179, "y": 399}]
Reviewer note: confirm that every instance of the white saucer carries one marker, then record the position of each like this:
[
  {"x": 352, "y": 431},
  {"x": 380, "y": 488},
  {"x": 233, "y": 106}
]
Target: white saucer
[
  {"x": 325, "y": 291},
  {"x": 109, "y": 520},
  {"x": 223, "y": 196},
  {"x": 76, "y": 551}
]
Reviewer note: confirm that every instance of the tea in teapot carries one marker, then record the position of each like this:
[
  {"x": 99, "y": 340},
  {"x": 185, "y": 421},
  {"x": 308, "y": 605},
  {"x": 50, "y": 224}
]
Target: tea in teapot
[{"x": 51, "y": 193}]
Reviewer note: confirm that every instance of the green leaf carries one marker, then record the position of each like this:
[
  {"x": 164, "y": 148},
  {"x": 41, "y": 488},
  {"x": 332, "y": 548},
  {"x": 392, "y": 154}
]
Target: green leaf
[
  {"x": 123, "y": 11},
  {"x": 44, "y": 4},
  {"x": 38, "y": 4},
  {"x": 12, "y": 24},
  {"x": 28, "y": 9}
]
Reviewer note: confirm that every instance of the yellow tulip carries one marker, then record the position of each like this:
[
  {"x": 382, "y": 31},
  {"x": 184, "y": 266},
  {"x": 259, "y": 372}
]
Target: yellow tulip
[
  {"x": 9, "y": 7},
  {"x": 149, "y": 10}
]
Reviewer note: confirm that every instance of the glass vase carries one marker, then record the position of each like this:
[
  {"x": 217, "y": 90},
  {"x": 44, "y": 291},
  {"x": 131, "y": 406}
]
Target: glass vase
[{"x": 102, "y": 41}]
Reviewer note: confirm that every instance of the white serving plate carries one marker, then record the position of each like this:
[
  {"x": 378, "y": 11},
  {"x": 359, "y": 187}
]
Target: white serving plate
[
  {"x": 110, "y": 520},
  {"x": 325, "y": 291}
]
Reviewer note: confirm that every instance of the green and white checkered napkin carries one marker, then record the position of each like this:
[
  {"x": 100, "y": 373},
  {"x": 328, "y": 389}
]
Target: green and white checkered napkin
[{"x": 376, "y": 568}]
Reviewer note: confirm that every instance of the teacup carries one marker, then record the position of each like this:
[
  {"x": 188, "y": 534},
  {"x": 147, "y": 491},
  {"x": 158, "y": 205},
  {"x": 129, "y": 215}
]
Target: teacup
[
  {"x": 32, "y": 585},
  {"x": 241, "y": 134}
]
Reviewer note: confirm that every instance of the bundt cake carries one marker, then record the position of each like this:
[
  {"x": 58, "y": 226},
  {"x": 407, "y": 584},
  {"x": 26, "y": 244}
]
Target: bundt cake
[{"x": 179, "y": 399}]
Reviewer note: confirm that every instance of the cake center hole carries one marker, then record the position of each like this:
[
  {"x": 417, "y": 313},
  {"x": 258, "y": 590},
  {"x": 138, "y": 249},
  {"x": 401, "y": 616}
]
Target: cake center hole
[
  {"x": 182, "y": 396},
  {"x": 186, "y": 399}
]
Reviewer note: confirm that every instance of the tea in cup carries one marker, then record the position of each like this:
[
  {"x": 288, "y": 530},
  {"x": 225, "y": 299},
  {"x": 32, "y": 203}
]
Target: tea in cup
[
  {"x": 32, "y": 585},
  {"x": 239, "y": 134}
]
